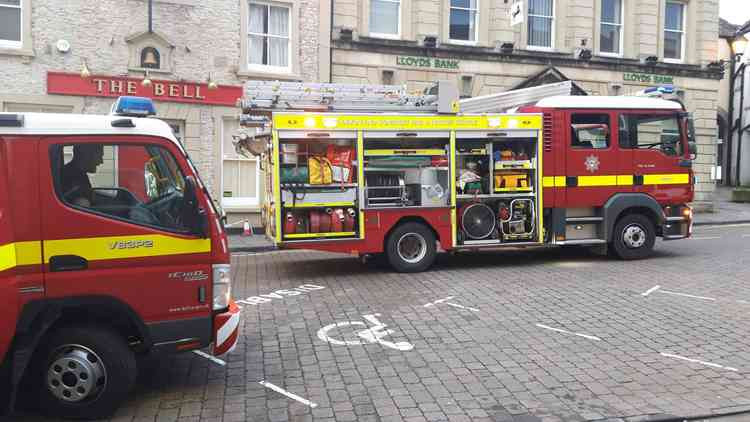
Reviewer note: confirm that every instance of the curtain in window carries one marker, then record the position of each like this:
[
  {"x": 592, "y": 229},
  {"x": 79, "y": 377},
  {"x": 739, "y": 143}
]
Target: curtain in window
[
  {"x": 278, "y": 46},
  {"x": 256, "y": 25},
  {"x": 611, "y": 25},
  {"x": 384, "y": 16},
  {"x": 540, "y": 23},
  {"x": 10, "y": 20}
]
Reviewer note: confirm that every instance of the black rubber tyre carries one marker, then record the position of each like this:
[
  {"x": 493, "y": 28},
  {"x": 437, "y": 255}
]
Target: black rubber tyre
[
  {"x": 411, "y": 248},
  {"x": 90, "y": 367},
  {"x": 633, "y": 237}
]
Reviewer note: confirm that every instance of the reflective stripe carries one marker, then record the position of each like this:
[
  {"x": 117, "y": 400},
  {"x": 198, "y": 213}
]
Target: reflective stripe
[
  {"x": 20, "y": 253},
  {"x": 666, "y": 179},
  {"x": 121, "y": 247},
  {"x": 597, "y": 180},
  {"x": 618, "y": 180},
  {"x": 625, "y": 180},
  {"x": 553, "y": 181},
  {"x": 7, "y": 256}
]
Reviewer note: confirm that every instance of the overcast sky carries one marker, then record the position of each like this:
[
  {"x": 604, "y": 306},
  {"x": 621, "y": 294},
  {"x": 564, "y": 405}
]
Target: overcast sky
[{"x": 735, "y": 11}]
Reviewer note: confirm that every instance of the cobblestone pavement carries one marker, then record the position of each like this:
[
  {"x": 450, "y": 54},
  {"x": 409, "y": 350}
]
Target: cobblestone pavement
[{"x": 553, "y": 335}]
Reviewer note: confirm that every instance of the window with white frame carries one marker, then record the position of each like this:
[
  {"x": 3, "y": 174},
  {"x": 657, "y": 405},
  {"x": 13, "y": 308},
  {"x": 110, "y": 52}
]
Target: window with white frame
[
  {"x": 463, "y": 20},
  {"x": 541, "y": 23},
  {"x": 269, "y": 42},
  {"x": 240, "y": 176},
  {"x": 610, "y": 37},
  {"x": 385, "y": 18},
  {"x": 674, "y": 31},
  {"x": 10, "y": 23}
]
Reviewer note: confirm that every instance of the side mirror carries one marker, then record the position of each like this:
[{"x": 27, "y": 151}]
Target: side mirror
[
  {"x": 693, "y": 150},
  {"x": 193, "y": 216}
]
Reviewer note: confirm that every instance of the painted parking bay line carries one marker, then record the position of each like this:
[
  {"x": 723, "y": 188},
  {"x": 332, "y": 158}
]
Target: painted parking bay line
[
  {"x": 686, "y": 295},
  {"x": 209, "y": 357},
  {"x": 705, "y": 238},
  {"x": 651, "y": 290},
  {"x": 559, "y": 330},
  {"x": 713, "y": 365},
  {"x": 292, "y": 396}
]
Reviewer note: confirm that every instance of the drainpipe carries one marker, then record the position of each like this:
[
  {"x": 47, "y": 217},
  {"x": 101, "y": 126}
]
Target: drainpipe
[
  {"x": 330, "y": 46},
  {"x": 739, "y": 121},
  {"x": 730, "y": 135}
]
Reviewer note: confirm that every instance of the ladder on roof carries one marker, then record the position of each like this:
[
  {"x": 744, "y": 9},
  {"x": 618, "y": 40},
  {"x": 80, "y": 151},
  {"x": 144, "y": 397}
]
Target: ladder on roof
[
  {"x": 441, "y": 98},
  {"x": 275, "y": 96},
  {"x": 503, "y": 101}
]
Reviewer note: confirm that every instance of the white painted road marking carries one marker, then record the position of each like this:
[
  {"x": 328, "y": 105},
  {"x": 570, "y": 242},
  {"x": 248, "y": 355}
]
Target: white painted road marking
[
  {"x": 288, "y": 394},
  {"x": 456, "y": 305},
  {"x": 568, "y": 332},
  {"x": 372, "y": 335},
  {"x": 279, "y": 294},
  {"x": 209, "y": 357},
  {"x": 714, "y": 365},
  {"x": 438, "y": 301},
  {"x": 686, "y": 295},
  {"x": 706, "y": 238},
  {"x": 651, "y": 290}
]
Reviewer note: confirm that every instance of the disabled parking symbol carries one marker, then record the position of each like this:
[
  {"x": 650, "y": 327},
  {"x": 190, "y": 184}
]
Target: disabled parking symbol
[{"x": 372, "y": 335}]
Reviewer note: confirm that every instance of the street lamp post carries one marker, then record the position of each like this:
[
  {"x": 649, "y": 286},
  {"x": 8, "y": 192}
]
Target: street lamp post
[{"x": 738, "y": 46}]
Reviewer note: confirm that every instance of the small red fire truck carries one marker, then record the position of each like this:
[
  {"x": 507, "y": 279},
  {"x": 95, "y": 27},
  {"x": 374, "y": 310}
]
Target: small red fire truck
[
  {"x": 369, "y": 170},
  {"x": 110, "y": 249}
]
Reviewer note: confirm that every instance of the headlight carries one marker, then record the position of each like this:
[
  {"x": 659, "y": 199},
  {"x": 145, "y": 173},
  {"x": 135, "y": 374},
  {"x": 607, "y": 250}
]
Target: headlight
[{"x": 222, "y": 286}]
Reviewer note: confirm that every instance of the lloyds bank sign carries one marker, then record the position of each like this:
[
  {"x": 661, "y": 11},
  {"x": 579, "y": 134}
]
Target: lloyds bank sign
[{"x": 430, "y": 62}]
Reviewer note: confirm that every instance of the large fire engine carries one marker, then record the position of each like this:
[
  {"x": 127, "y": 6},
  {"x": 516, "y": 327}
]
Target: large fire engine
[
  {"x": 373, "y": 170},
  {"x": 110, "y": 250}
]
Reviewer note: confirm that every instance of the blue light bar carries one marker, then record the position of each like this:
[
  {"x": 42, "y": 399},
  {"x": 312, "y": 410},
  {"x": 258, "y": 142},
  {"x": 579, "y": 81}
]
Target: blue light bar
[
  {"x": 662, "y": 89},
  {"x": 133, "y": 107}
]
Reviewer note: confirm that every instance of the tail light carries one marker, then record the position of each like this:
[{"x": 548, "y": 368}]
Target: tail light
[{"x": 222, "y": 289}]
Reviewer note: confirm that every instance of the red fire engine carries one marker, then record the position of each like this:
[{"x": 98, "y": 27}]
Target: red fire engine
[
  {"x": 370, "y": 170},
  {"x": 110, "y": 249}
]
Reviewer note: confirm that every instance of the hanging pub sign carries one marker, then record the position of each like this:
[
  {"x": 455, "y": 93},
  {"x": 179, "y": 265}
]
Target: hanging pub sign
[{"x": 161, "y": 90}]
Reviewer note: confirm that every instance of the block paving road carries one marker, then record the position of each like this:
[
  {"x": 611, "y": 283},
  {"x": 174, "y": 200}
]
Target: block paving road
[{"x": 544, "y": 335}]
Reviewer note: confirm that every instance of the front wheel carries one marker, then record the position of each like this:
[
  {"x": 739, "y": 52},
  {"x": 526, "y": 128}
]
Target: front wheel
[
  {"x": 411, "y": 248},
  {"x": 633, "y": 238},
  {"x": 84, "y": 372}
]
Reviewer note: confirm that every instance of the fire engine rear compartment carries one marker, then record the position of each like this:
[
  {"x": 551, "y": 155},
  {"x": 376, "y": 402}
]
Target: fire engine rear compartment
[{"x": 346, "y": 190}]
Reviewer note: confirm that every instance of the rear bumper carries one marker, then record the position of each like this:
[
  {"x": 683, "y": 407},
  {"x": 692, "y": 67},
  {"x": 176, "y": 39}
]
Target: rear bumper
[{"x": 226, "y": 330}]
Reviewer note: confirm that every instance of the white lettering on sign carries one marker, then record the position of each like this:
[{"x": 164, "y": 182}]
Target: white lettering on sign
[
  {"x": 280, "y": 294},
  {"x": 370, "y": 335}
]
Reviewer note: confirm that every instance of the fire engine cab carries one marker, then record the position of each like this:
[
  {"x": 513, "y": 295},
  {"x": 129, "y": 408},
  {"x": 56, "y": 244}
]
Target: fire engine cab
[
  {"x": 373, "y": 170},
  {"x": 110, "y": 249}
]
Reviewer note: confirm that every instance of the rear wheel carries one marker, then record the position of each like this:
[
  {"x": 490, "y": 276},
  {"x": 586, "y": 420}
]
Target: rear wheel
[
  {"x": 84, "y": 372},
  {"x": 633, "y": 238},
  {"x": 411, "y": 248}
]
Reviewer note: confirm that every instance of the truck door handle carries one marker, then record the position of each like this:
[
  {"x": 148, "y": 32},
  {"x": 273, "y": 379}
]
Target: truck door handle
[{"x": 67, "y": 263}]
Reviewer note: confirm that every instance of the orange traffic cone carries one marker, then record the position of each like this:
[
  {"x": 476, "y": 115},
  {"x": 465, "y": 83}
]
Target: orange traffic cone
[{"x": 246, "y": 229}]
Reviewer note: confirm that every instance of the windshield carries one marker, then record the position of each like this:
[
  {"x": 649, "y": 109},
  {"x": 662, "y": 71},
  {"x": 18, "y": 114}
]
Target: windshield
[{"x": 162, "y": 174}]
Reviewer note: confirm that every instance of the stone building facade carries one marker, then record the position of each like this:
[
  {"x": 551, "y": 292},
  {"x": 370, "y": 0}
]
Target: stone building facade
[
  {"x": 606, "y": 47},
  {"x": 192, "y": 43}
]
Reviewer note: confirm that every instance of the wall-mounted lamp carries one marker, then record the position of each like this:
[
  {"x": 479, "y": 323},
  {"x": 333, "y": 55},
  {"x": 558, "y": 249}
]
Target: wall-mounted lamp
[
  {"x": 584, "y": 54},
  {"x": 146, "y": 82},
  {"x": 85, "y": 72},
  {"x": 430, "y": 41},
  {"x": 507, "y": 48},
  {"x": 211, "y": 83}
]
